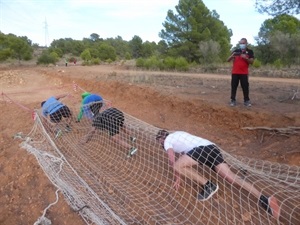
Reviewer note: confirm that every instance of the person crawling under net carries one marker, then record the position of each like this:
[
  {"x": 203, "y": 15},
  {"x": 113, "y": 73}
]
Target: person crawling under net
[
  {"x": 196, "y": 150},
  {"x": 56, "y": 110},
  {"x": 112, "y": 121}
]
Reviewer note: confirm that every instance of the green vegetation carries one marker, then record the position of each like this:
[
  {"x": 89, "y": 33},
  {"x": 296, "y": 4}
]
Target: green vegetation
[{"x": 193, "y": 36}]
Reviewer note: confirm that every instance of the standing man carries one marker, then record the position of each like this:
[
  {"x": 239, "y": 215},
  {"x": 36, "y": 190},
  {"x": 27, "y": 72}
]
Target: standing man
[
  {"x": 241, "y": 57},
  {"x": 196, "y": 150}
]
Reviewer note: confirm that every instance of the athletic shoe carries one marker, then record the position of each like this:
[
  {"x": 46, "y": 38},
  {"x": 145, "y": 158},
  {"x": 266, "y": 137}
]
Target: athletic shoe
[
  {"x": 208, "y": 190},
  {"x": 132, "y": 152},
  {"x": 270, "y": 205},
  {"x": 133, "y": 139},
  {"x": 232, "y": 103},
  {"x": 247, "y": 103},
  {"x": 58, "y": 133},
  {"x": 68, "y": 128}
]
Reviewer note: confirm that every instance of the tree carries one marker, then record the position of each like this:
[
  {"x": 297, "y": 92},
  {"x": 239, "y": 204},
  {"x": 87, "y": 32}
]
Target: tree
[
  {"x": 209, "y": 51},
  {"x": 287, "y": 47},
  {"x": 122, "y": 47},
  {"x": 20, "y": 47},
  {"x": 284, "y": 23},
  {"x": 86, "y": 55},
  {"x": 136, "y": 45},
  {"x": 95, "y": 37},
  {"x": 106, "y": 51},
  {"x": 271, "y": 32},
  {"x": 192, "y": 24},
  {"x": 278, "y": 7}
]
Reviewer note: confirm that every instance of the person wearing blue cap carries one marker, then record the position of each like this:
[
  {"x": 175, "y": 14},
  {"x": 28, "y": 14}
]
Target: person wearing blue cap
[{"x": 90, "y": 105}]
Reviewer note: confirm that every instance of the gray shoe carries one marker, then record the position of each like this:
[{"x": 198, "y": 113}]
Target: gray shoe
[
  {"x": 247, "y": 103},
  {"x": 232, "y": 103},
  {"x": 132, "y": 152},
  {"x": 133, "y": 139},
  {"x": 68, "y": 128},
  {"x": 208, "y": 190},
  {"x": 58, "y": 133}
]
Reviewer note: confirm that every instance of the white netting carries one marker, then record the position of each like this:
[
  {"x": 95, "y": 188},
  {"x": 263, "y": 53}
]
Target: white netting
[{"x": 105, "y": 186}]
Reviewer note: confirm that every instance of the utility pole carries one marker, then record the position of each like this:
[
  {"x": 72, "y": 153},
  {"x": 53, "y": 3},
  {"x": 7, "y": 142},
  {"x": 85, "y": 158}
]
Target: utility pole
[{"x": 46, "y": 32}]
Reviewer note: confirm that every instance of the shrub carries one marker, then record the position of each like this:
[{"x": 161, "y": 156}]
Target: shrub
[
  {"x": 256, "y": 63},
  {"x": 181, "y": 64},
  {"x": 140, "y": 62},
  {"x": 47, "y": 58},
  {"x": 95, "y": 61},
  {"x": 278, "y": 64},
  {"x": 170, "y": 63}
]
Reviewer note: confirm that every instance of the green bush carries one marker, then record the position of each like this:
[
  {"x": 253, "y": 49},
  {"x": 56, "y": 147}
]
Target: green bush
[
  {"x": 256, "y": 63},
  {"x": 152, "y": 63},
  {"x": 5, "y": 54},
  {"x": 47, "y": 58},
  {"x": 95, "y": 61},
  {"x": 170, "y": 63},
  {"x": 127, "y": 56},
  {"x": 140, "y": 62},
  {"x": 278, "y": 64},
  {"x": 181, "y": 64}
]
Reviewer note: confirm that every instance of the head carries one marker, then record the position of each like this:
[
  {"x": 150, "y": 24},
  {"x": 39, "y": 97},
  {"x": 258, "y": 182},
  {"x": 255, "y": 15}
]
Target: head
[
  {"x": 43, "y": 102},
  {"x": 243, "y": 43},
  {"x": 161, "y": 136},
  {"x": 84, "y": 94}
]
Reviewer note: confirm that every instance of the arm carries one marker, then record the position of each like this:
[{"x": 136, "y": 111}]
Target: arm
[
  {"x": 88, "y": 137},
  {"x": 231, "y": 57},
  {"x": 171, "y": 156},
  {"x": 248, "y": 60},
  {"x": 80, "y": 114},
  {"x": 61, "y": 96}
]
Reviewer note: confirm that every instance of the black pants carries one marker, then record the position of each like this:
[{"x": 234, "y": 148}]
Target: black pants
[{"x": 235, "y": 79}]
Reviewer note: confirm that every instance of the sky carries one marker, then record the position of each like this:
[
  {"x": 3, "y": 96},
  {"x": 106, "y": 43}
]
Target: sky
[{"x": 43, "y": 21}]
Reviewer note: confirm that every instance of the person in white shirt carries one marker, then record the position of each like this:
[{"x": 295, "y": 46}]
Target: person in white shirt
[{"x": 196, "y": 150}]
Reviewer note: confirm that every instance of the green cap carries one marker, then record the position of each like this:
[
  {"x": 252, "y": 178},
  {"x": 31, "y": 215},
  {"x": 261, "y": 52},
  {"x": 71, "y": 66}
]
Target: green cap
[{"x": 84, "y": 94}]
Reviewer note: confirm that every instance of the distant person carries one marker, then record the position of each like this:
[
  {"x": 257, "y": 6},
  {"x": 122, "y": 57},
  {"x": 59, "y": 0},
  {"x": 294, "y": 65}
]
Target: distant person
[
  {"x": 90, "y": 105},
  {"x": 66, "y": 62},
  {"x": 196, "y": 150},
  {"x": 242, "y": 57},
  {"x": 56, "y": 110},
  {"x": 112, "y": 121},
  {"x": 75, "y": 60}
]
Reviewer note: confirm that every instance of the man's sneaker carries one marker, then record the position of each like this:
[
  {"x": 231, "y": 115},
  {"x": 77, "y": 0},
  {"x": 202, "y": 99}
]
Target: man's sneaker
[
  {"x": 58, "y": 133},
  {"x": 232, "y": 103},
  {"x": 132, "y": 152},
  {"x": 68, "y": 128},
  {"x": 247, "y": 103},
  {"x": 270, "y": 205},
  {"x": 208, "y": 190},
  {"x": 132, "y": 139}
]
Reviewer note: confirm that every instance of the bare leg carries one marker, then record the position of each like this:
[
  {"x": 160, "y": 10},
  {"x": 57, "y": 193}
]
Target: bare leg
[
  {"x": 224, "y": 171},
  {"x": 118, "y": 139},
  {"x": 269, "y": 204},
  {"x": 184, "y": 167}
]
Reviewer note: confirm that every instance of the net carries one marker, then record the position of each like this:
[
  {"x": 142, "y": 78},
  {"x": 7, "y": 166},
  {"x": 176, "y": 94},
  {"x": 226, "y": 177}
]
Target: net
[{"x": 106, "y": 183}]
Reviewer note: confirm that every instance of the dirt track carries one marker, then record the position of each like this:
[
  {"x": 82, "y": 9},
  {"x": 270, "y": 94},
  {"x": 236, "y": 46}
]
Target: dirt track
[{"x": 197, "y": 103}]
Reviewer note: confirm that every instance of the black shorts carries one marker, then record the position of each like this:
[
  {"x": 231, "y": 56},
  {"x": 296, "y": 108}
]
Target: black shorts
[
  {"x": 209, "y": 155},
  {"x": 110, "y": 119},
  {"x": 62, "y": 112}
]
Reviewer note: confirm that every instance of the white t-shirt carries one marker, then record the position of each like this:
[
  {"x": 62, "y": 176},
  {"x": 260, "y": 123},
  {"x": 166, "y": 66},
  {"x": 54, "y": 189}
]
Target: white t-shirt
[{"x": 183, "y": 142}]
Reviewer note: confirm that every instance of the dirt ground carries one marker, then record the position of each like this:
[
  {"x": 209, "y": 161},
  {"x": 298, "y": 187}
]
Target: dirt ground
[{"x": 197, "y": 103}]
